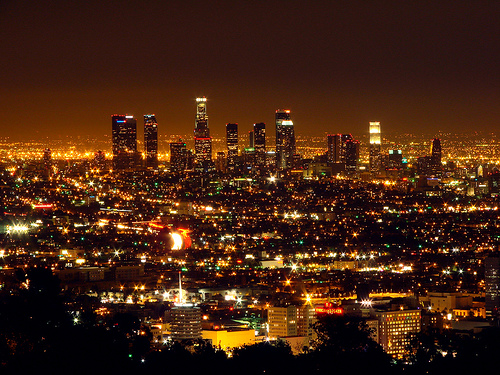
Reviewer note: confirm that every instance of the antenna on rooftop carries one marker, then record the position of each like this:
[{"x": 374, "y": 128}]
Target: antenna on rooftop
[{"x": 180, "y": 289}]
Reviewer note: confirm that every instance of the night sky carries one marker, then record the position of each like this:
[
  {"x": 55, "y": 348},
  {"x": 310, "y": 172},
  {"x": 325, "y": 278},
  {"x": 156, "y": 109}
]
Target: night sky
[{"x": 416, "y": 66}]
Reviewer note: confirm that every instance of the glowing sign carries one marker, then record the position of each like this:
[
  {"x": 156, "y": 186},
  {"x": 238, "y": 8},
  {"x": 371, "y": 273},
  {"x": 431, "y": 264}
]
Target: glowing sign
[
  {"x": 157, "y": 226},
  {"x": 42, "y": 206},
  {"x": 329, "y": 309}
]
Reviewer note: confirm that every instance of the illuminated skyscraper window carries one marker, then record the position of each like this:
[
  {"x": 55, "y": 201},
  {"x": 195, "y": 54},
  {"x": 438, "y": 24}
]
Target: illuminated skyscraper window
[
  {"x": 285, "y": 138},
  {"x": 124, "y": 137},
  {"x": 202, "y": 140},
  {"x": 375, "y": 148},
  {"x": 232, "y": 145},
  {"x": 151, "y": 141}
]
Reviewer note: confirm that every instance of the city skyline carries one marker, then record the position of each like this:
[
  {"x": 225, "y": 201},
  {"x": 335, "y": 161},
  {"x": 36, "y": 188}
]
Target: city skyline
[
  {"x": 360, "y": 229},
  {"x": 422, "y": 66}
]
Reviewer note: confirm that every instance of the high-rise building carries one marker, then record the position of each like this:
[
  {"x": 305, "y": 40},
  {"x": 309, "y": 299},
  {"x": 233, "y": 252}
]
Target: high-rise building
[
  {"x": 492, "y": 284},
  {"x": 202, "y": 140},
  {"x": 186, "y": 322},
  {"x": 285, "y": 138},
  {"x": 221, "y": 164},
  {"x": 333, "y": 148},
  {"x": 494, "y": 183},
  {"x": 47, "y": 162},
  {"x": 396, "y": 330},
  {"x": 151, "y": 141},
  {"x": 232, "y": 145},
  {"x": 336, "y": 152},
  {"x": 178, "y": 156},
  {"x": 424, "y": 165},
  {"x": 248, "y": 158},
  {"x": 395, "y": 159},
  {"x": 351, "y": 156},
  {"x": 290, "y": 321},
  {"x": 436, "y": 164},
  {"x": 124, "y": 137},
  {"x": 259, "y": 137},
  {"x": 251, "y": 139},
  {"x": 375, "y": 147},
  {"x": 343, "y": 152}
]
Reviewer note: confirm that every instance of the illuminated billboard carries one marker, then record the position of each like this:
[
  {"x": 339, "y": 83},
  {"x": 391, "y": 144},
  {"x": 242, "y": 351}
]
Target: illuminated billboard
[{"x": 329, "y": 309}]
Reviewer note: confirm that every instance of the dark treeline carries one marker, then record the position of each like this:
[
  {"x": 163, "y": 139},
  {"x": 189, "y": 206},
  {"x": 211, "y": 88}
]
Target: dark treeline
[{"x": 42, "y": 331}]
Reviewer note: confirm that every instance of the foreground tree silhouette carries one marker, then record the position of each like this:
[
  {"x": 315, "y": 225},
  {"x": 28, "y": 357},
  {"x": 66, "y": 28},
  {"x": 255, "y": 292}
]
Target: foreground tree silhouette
[
  {"x": 264, "y": 358},
  {"x": 344, "y": 343},
  {"x": 39, "y": 335}
]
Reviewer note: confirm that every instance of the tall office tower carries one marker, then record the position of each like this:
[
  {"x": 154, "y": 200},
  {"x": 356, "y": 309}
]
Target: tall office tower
[
  {"x": 395, "y": 159},
  {"x": 396, "y": 330},
  {"x": 47, "y": 162},
  {"x": 351, "y": 156},
  {"x": 151, "y": 141},
  {"x": 342, "y": 151},
  {"x": 375, "y": 147},
  {"x": 251, "y": 139},
  {"x": 437, "y": 166},
  {"x": 492, "y": 285},
  {"x": 124, "y": 136},
  {"x": 221, "y": 163},
  {"x": 424, "y": 165},
  {"x": 178, "y": 156},
  {"x": 259, "y": 144},
  {"x": 336, "y": 152},
  {"x": 232, "y": 145},
  {"x": 202, "y": 140},
  {"x": 248, "y": 158},
  {"x": 333, "y": 145},
  {"x": 285, "y": 138}
]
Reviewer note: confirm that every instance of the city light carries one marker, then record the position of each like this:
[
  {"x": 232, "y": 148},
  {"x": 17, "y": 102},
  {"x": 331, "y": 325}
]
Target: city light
[{"x": 178, "y": 242}]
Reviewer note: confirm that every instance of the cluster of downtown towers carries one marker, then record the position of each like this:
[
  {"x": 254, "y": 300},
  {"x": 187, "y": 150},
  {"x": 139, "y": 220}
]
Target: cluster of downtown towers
[{"x": 342, "y": 149}]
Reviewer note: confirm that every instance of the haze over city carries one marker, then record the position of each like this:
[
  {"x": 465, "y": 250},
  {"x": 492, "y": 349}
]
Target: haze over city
[{"x": 415, "y": 66}]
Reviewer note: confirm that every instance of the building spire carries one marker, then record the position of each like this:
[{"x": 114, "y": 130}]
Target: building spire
[{"x": 180, "y": 289}]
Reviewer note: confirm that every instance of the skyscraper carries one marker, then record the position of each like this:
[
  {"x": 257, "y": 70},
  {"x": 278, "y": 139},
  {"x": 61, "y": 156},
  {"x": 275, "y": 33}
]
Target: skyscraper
[
  {"x": 202, "y": 140},
  {"x": 232, "y": 145},
  {"x": 285, "y": 138},
  {"x": 151, "y": 141},
  {"x": 351, "y": 156},
  {"x": 395, "y": 159},
  {"x": 124, "y": 137},
  {"x": 436, "y": 164},
  {"x": 259, "y": 143},
  {"x": 291, "y": 321},
  {"x": 47, "y": 163},
  {"x": 375, "y": 147},
  {"x": 396, "y": 329},
  {"x": 342, "y": 150},
  {"x": 492, "y": 284},
  {"x": 337, "y": 147},
  {"x": 333, "y": 146},
  {"x": 178, "y": 156}
]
